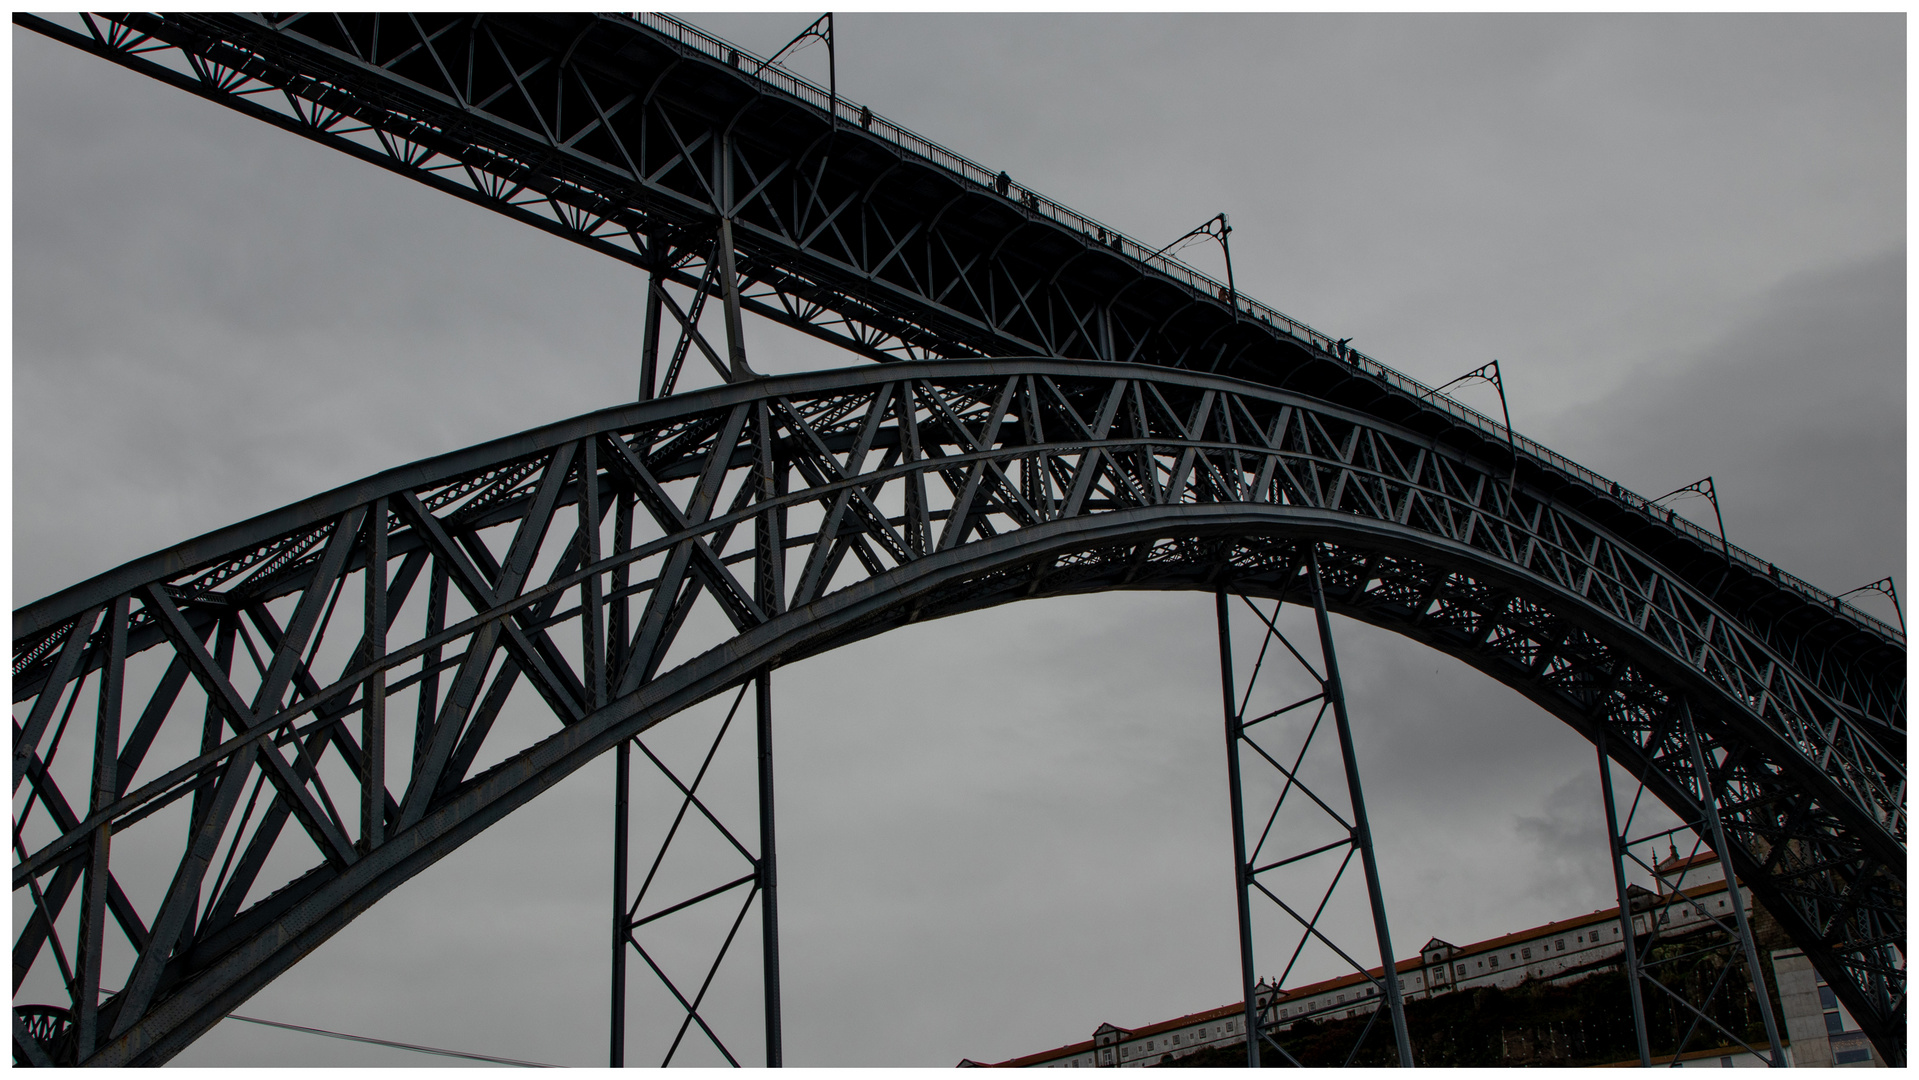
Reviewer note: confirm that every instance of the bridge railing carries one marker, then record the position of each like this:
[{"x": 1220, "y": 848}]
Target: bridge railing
[{"x": 919, "y": 146}]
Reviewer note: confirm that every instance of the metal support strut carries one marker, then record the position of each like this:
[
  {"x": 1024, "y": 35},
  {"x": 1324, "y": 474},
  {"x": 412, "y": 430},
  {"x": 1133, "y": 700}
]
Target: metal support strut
[
  {"x": 760, "y": 882},
  {"x": 769, "y": 908},
  {"x": 1672, "y": 913},
  {"x": 1362, "y": 828},
  {"x": 1353, "y": 829},
  {"x": 1242, "y": 871},
  {"x": 622, "y": 924}
]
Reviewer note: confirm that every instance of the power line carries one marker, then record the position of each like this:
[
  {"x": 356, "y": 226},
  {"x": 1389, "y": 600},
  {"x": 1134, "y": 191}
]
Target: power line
[
  {"x": 395, "y": 1045},
  {"x": 387, "y": 1042}
]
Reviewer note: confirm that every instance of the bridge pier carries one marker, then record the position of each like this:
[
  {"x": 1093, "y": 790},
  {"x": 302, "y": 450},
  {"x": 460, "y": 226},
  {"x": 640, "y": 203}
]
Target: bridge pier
[
  {"x": 1642, "y": 951},
  {"x": 1353, "y": 829},
  {"x": 760, "y": 880}
]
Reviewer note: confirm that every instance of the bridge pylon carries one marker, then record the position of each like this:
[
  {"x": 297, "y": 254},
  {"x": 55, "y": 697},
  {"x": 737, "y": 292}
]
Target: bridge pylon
[{"x": 1316, "y": 826}]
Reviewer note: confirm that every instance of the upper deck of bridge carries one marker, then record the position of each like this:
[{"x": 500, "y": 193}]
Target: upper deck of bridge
[
  {"x": 1151, "y": 259},
  {"x": 654, "y": 56}
]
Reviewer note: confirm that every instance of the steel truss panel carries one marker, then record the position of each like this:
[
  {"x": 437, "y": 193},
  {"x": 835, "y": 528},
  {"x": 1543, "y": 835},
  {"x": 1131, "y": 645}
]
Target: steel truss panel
[
  {"x": 803, "y": 513},
  {"x": 645, "y": 139}
]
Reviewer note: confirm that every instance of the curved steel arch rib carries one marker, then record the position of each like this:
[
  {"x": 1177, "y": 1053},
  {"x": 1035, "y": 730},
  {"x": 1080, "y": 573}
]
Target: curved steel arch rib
[{"x": 240, "y": 696}]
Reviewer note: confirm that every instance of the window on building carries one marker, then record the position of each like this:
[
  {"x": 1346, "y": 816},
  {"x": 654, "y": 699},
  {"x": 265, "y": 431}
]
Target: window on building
[
  {"x": 1526, "y": 954},
  {"x": 1493, "y": 960},
  {"x": 1559, "y": 945},
  {"x": 1828, "y": 1001},
  {"x": 1461, "y": 968},
  {"x": 1229, "y": 1025}
]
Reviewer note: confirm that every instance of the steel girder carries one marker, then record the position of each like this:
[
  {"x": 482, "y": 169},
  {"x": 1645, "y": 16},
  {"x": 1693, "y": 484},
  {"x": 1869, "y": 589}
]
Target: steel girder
[
  {"x": 645, "y": 139},
  {"x": 769, "y": 520}
]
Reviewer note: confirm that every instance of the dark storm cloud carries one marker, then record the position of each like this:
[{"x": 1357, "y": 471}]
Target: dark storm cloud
[
  {"x": 1798, "y": 412},
  {"x": 1683, "y": 236}
]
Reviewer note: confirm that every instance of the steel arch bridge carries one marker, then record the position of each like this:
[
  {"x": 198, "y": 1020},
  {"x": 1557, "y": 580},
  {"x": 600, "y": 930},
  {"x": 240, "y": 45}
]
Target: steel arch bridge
[{"x": 1059, "y": 412}]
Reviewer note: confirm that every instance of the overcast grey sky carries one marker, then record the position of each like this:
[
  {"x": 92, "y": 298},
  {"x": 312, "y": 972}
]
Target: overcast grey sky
[{"x": 1683, "y": 237}]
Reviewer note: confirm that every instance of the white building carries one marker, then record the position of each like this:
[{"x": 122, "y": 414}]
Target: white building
[{"x": 1561, "y": 951}]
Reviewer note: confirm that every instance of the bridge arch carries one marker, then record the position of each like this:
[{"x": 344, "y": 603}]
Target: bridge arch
[{"x": 812, "y": 511}]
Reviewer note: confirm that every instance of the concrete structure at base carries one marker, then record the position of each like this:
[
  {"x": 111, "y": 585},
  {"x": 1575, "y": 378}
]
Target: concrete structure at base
[{"x": 1818, "y": 1032}]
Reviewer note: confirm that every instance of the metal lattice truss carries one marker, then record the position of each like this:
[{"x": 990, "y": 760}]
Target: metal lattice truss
[
  {"x": 560, "y": 123},
  {"x": 646, "y": 140},
  {"x": 1314, "y": 841},
  {"x": 226, "y": 751}
]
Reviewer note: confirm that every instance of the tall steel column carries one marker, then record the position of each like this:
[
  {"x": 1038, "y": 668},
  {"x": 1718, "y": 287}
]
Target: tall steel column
[
  {"x": 1242, "y": 871},
  {"x": 1618, "y": 858},
  {"x": 1355, "y": 830},
  {"x": 1362, "y": 829},
  {"x": 1710, "y": 803},
  {"x": 622, "y": 772},
  {"x": 769, "y": 907}
]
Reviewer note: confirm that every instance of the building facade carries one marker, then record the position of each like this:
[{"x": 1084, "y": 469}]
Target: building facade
[
  {"x": 1558, "y": 952},
  {"x": 1823, "y": 1033}
]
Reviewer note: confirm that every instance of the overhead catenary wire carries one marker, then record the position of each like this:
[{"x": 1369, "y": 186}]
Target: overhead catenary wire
[
  {"x": 396, "y": 1045},
  {"x": 387, "y": 1042}
]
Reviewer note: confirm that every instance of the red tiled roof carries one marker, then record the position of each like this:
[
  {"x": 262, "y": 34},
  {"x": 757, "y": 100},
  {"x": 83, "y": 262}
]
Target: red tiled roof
[
  {"x": 1044, "y": 1055},
  {"x": 1208, "y": 1016},
  {"x": 1603, "y": 915},
  {"x": 1131, "y": 1033}
]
